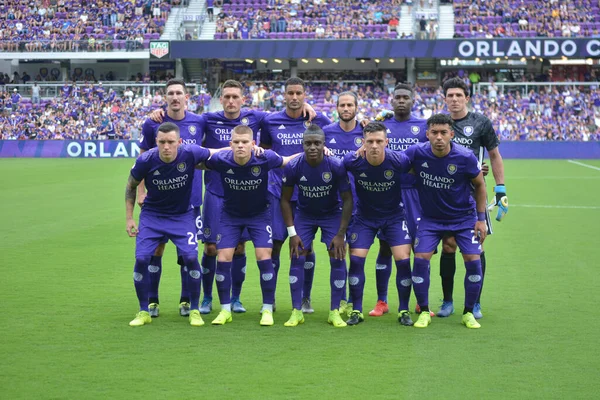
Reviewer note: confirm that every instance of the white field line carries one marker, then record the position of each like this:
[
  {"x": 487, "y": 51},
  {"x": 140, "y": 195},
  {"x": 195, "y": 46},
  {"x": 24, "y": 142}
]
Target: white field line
[{"x": 584, "y": 165}]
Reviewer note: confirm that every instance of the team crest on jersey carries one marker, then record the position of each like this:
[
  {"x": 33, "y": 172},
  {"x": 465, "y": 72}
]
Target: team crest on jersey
[
  {"x": 468, "y": 130},
  {"x": 244, "y": 121},
  {"x": 255, "y": 170},
  {"x": 206, "y": 232},
  {"x": 353, "y": 237},
  {"x": 192, "y": 130},
  {"x": 388, "y": 174},
  {"x": 416, "y": 242},
  {"x": 358, "y": 141},
  {"x": 306, "y": 124},
  {"x": 326, "y": 177},
  {"x": 452, "y": 169},
  {"x": 218, "y": 238},
  {"x": 181, "y": 167},
  {"x": 415, "y": 129}
]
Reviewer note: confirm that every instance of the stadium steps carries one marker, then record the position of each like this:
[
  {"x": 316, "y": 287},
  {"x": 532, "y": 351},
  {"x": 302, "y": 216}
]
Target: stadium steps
[
  {"x": 425, "y": 65},
  {"x": 407, "y": 21},
  {"x": 446, "y": 22},
  {"x": 174, "y": 20},
  {"x": 193, "y": 69}
]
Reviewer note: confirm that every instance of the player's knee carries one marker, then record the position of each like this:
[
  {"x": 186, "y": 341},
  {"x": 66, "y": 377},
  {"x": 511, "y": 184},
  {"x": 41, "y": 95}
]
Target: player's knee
[
  {"x": 210, "y": 249},
  {"x": 159, "y": 250}
]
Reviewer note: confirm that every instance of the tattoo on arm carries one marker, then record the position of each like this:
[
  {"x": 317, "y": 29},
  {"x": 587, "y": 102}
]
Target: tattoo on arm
[{"x": 130, "y": 189}]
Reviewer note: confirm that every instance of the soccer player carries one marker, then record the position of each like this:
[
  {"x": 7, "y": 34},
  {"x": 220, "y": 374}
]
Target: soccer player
[
  {"x": 168, "y": 171},
  {"x": 190, "y": 128},
  {"x": 216, "y": 130},
  {"x": 403, "y": 130},
  {"x": 377, "y": 181},
  {"x": 474, "y": 131},
  {"x": 321, "y": 182},
  {"x": 245, "y": 179},
  {"x": 282, "y": 132},
  {"x": 445, "y": 172}
]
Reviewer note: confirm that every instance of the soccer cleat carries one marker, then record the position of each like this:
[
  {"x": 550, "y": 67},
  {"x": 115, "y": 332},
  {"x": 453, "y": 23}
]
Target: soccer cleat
[
  {"x": 267, "y": 318},
  {"x": 404, "y": 318},
  {"x": 141, "y": 318},
  {"x": 223, "y": 318},
  {"x": 345, "y": 308},
  {"x": 423, "y": 321},
  {"x": 469, "y": 321},
  {"x": 153, "y": 310},
  {"x": 418, "y": 311},
  {"x": 236, "y": 305},
  {"x": 206, "y": 306},
  {"x": 296, "y": 318},
  {"x": 195, "y": 318},
  {"x": 184, "y": 309},
  {"x": 446, "y": 309},
  {"x": 263, "y": 308},
  {"x": 477, "y": 311},
  {"x": 306, "y": 307},
  {"x": 335, "y": 319},
  {"x": 356, "y": 317},
  {"x": 380, "y": 308}
]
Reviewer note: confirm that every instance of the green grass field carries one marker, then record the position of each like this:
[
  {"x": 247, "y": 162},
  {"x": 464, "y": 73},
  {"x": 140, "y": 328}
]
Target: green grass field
[{"x": 67, "y": 296}]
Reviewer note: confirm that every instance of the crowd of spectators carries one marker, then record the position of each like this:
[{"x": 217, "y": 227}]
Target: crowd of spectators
[
  {"x": 526, "y": 18},
  {"x": 317, "y": 19},
  {"x": 91, "y": 111},
  {"x": 81, "y": 25}
]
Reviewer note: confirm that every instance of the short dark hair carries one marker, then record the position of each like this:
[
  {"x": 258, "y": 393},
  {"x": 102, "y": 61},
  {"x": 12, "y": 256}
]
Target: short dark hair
[
  {"x": 440, "y": 119},
  {"x": 167, "y": 127},
  {"x": 374, "y": 126},
  {"x": 230, "y": 83},
  {"x": 242, "y": 130},
  {"x": 176, "y": 81},
  {"x": 314, "y": 130},
  {"x": 456, "y": 83},
  {"x": 405, "y": 86},
  {"x": 295, "y": 81},
  {"x": 347, "y": 93}
]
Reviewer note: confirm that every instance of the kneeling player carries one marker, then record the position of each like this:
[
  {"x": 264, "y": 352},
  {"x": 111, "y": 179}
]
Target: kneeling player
[
  {"x": 168, "y": 171},
  {"x": 445, "y": 172},
  {"x": 320, "y": 181},
  {"x": 245, "y": 177}
]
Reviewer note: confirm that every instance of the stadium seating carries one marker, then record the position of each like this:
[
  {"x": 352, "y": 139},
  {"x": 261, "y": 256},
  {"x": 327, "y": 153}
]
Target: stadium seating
[
  {"x": 265, "y": 19},
  {"x": 38, "y": 25},
  {"x": 526, "y": 18}
]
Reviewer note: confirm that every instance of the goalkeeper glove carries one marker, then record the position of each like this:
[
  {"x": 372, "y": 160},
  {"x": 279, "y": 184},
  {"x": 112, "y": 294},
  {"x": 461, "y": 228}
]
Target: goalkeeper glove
[
  {"x": 383, "y": 115},
  {"x": 501, "y": 201}
]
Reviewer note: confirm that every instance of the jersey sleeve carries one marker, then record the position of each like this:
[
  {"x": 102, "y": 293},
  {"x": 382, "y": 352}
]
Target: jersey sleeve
[
  {"x": 201, "y": 126},
  {"x": 289, "y": 179},
  {"x": 322, "y": 121},
  {"x": 148, "y": 137},
  {"x": 348, "y": 161},
  {"x": 488, "y": 137},
  {"x": 400, "y": 161},
  {"x": 214, "y": 162},
  {"x": 201, "y": 154},
  {"x": 473, "y": 166},
  {"x": 141, "y": 167},
  {"x": 410, "y": 153},
  {"x": 265, "y": 133},
  {"x": 274, "y": 160},
  {"x": 341, "y": 176}
]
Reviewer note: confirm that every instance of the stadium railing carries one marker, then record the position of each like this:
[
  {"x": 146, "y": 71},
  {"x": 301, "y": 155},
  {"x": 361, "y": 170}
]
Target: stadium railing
[
  {"x": 525, "y": 87},
  {"x": 53, "y": 90}
]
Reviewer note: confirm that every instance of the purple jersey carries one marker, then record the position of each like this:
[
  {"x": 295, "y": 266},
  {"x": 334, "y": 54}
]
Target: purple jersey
[
  {"x": 319, "y": 186},
  {"x": 444, "y": 183},
  {"x": 169, "y": 185},
  {"x": 217, "y": 134},
  {"x": 401, "y": 135},
  {"x": 284, "y": 135},
  {"x": 191, "y": 128},
  {"x": 378, "y": 187},
  {"x": 341, "y": 142},
  {"x": 245, "y": 186}
]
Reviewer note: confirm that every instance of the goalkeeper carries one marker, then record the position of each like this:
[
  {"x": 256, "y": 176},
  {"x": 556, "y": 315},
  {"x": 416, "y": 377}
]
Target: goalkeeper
[{"x": 475, "y": 131}]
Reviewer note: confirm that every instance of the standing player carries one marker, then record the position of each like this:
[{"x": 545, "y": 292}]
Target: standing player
[
  {"x": 377, "y": 181},
  {"x": 245, "y": 179},
  {"x": 445, "y": 172},
  {"x": 282, "y": 132},
  {"x": 190, "y": 127},
  {"x": 403, "y": 131},
  {"x": 168, "y": 170},
  {"x": 216, "y": 130},
  {"x": 341, "y": 138},
  {"x": 320, "y": 181},
  {"x": 474, "y": 131}
]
